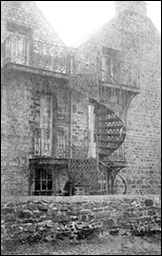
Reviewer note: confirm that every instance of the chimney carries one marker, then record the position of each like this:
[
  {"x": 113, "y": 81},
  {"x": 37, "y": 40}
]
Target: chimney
[{"x": 139, "y": 7}]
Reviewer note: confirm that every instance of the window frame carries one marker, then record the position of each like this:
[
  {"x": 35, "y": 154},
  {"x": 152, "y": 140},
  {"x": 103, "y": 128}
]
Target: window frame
[{"x": 39, "y": 181}]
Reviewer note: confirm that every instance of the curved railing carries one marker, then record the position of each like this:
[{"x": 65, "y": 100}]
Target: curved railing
[
  {"x": 122, "y": 73},
  {"x": 33, "y": 53},
  {"x": 113, "y": 177}
]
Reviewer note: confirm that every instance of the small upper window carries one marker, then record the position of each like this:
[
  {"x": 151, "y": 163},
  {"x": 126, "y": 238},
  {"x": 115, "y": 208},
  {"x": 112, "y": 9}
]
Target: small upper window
[
  {"x": 110, "y": 64},
  {"x": 18, "y": 29},
  {"x": 111, "y": 53}
]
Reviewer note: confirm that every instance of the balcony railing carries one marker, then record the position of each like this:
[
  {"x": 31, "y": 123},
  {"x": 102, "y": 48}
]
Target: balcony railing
[
  {"x": 33, "y": 53},
  {"x": 62, "y": 146},
  {"x": 121, "y": 73},
  {"x": 124, "y": 73},
  {"x": 42, "y": 142},
  {"x": 83, "y": 66},
  {"x": 42, "y": 55}
]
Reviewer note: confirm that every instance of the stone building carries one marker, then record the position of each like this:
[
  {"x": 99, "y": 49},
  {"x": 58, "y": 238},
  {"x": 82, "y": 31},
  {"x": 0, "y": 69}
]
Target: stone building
[{"x": 89, "y": 114}]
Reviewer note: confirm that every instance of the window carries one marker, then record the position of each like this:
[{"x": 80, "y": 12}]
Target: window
[
  {"x": 110, "y": 64},
  {"x": 43, "y": 134},
  {"x": 18, "y": 29},
  {"x": 43, "y": 182},
  {"x": 19, "y": 43}
]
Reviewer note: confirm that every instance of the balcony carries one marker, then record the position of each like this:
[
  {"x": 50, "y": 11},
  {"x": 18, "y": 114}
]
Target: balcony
[
  {"x": 92, "y": 76},
  {"x": 124, "y": 74},
  {"x": 85, "y": 73},
  {"x": 43, "y": 144},
  {"x": 34, "y": 55}
]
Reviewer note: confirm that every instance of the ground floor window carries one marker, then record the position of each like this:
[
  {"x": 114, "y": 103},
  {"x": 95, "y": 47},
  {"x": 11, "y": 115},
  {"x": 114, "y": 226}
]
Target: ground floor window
[{"x": 43, "y": 182}]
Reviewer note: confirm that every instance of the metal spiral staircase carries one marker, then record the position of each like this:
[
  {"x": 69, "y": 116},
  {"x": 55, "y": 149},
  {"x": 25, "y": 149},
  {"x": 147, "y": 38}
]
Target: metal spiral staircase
[
  {"x": 111, "y": 101},
  {"x": 111, "y": 135}
]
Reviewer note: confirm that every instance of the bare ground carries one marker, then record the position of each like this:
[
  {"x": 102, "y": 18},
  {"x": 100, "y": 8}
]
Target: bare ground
[{"x": 105, "y": 244}]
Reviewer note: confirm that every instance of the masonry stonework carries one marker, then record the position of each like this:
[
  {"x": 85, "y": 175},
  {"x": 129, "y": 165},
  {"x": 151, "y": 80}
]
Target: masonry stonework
[
  {"x": 21, "y": 94},
  {"x": 132, "y": 34},
  {"x": 33, "y": 219}
]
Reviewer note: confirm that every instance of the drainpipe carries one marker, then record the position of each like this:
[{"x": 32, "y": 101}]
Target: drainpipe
[{"x": 70, "y": 133}]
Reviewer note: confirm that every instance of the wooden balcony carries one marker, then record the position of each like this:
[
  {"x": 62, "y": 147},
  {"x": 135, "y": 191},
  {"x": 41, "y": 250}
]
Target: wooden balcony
[{"x": 34, "y": 56}]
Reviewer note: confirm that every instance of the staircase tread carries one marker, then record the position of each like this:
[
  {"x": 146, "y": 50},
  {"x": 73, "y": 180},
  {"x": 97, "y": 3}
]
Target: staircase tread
[
  {"x": 110, "y": 140},
  {"x": 116, "y": 163},
  {"x": 114, "y": 133},
  {"x": 111, "y": 126},
  {"x": 109, "y": 147}
]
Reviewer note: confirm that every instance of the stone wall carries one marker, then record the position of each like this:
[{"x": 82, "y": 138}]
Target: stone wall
[
  {"x": 20, "y": 104},
  {"x": 16, "y": 133},
  {"x": 50, "y": 218}
]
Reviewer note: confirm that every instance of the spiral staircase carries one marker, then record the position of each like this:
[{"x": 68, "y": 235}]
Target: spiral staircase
[
  {"x": 111, "y": 101},
  {"x": 111, "y": 136}
]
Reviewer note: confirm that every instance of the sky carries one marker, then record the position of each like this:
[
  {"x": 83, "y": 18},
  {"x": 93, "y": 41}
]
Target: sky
[{"x": 74, "y": 20}]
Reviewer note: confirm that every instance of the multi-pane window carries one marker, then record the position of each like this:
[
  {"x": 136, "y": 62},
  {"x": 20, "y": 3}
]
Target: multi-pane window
[
  {"x": 43, "y": 134},
  {"x": 43, "y": 182}
]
